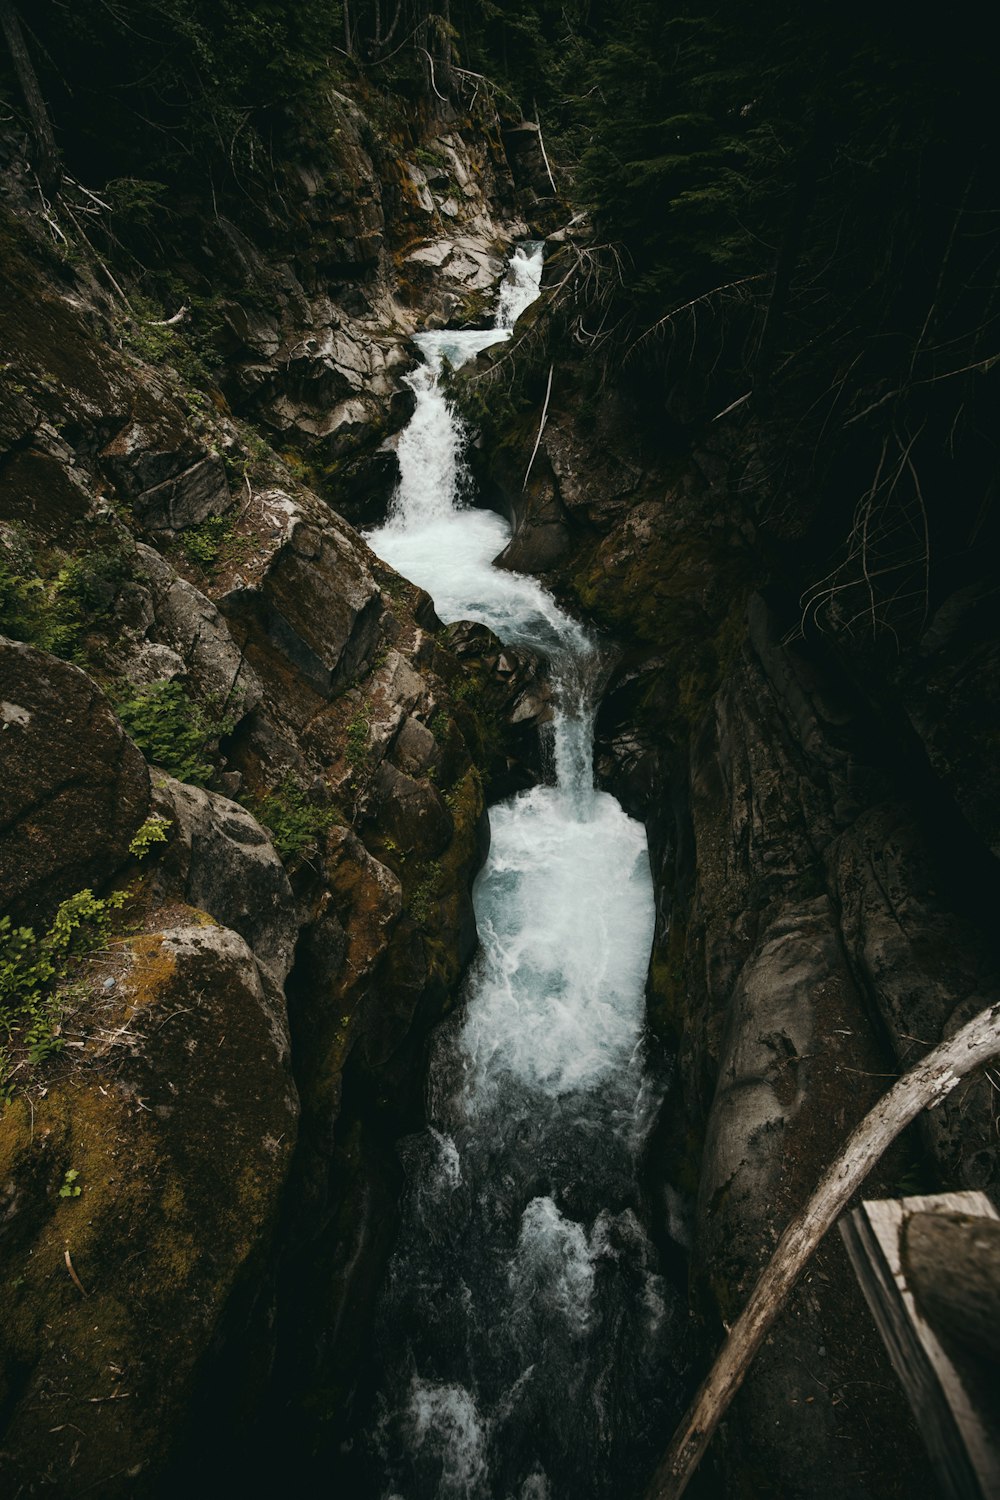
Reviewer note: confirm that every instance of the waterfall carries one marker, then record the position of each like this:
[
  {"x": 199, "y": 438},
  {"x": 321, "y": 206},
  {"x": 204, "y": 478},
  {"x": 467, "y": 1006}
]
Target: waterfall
[{"x": 524, "y": 1336}]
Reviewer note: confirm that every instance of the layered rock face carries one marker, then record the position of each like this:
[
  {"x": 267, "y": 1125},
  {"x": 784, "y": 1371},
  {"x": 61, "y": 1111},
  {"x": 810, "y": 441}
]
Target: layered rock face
[
  {"x": 231, "y": 1062},
  {"x": 822, "y": 850}
]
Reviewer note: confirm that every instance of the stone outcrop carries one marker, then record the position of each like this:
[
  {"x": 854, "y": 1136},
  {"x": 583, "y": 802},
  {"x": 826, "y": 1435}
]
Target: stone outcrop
[{"x": 74, "y": 788}]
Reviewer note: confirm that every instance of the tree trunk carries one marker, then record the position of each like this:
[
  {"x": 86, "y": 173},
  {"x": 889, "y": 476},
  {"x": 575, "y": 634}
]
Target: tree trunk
[{"x": 47, "y": 164}]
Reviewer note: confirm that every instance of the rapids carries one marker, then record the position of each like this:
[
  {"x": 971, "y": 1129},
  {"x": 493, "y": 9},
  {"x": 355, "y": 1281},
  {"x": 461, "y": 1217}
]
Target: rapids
[{"x": 524, "y": 1336}]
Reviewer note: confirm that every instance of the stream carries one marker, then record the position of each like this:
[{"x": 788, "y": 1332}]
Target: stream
[{"x": 525, "y": 1333}]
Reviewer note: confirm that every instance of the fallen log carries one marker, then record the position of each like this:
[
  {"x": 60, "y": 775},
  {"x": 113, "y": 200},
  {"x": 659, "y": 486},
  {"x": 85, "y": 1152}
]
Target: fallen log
[{"x": 921, "y": 1088}]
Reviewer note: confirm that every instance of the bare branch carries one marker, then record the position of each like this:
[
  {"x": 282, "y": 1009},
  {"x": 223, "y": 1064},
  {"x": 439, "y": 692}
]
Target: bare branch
[{"x": 541, "y": 429}]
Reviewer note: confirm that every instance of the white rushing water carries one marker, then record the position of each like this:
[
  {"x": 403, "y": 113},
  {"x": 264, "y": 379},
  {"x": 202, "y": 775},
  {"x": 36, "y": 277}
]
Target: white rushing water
[{"x": 521, "y": 1261}]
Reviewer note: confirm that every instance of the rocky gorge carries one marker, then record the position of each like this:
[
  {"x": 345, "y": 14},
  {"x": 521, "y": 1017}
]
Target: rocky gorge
[{"x": 260, "y": 753}]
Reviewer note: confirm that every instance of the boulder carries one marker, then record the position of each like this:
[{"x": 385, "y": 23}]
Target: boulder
[
  {"x": 168, "y": 477},
  {"x": 74, "y": 787},
  {"x": 177, "y": 1121},
  {"x": 310, "y": 612},
  {"x": 224, "y": 863},
  {"x": 186, "y": 622}
]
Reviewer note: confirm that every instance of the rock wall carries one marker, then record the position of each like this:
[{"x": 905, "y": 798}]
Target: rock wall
[
  {"x": 230, "y": 1067},
  {"x": 822, "y": 853}
]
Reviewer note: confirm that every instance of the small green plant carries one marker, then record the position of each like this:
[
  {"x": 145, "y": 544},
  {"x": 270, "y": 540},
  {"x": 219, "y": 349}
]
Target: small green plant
[
  {"x": 391, "y": 849},
  {"x": 439, "y": 725},
  {"x": 356, "y": 747},
  {"x": 7, "y": 1069},
  {"x": 172, "y": 730},
  {"x": 153, "y": 831},
  {"x": 70, "y": 1187},
  {"x": 34, "y": 971},
  {"x": 202, "y": 544},
  {"x": 135, "y": 199},
  {"x": 48, "y": 600},
  {"x": 425, "y": 893},
  {"x": 294, "y": 823}
]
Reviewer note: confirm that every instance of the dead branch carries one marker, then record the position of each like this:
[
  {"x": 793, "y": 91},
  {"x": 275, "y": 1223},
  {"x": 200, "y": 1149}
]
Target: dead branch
[
  {"x": 434, "y": 86},
  {"x": 178, "y": 317},
  {"x": 70, "y": 1268},
  {"x": 923, "y": 1087},
  {"x": 545, "y": 159},
  {"x": 695, "y": 302},
  {"x": 541, "y": 429}
]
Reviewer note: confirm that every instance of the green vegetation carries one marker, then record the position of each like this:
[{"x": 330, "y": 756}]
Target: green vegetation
[
  {"x": 70, "y": 1187},
  {"x": 295, "y": 823},
  {"x": 202, "y": 544},
  {"x": 172, "y": 730},
  {"x": 34, "y": 972},
  {"x": 188, "y": 346},
  {"x": 425, "y": 893},
  {"x": 356, "y": 747},
  {"x": 153, "y": 831},
  {"x": 50, "y": 599}
]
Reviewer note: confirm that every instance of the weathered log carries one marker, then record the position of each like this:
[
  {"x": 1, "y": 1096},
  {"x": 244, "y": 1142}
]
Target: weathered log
[{"x": 921, "y": 1088}]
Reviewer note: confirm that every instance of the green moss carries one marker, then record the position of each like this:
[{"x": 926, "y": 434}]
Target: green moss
[{"x": 426, "y": 892}]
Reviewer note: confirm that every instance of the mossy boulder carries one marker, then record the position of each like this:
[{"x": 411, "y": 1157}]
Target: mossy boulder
[{"x": 172, "y": 1131}]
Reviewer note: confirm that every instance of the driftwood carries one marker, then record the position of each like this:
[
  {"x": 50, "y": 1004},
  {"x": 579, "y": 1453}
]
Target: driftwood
[
  {"x": 930, "y": 1272},
  {"x": 921, "y": 1088}
]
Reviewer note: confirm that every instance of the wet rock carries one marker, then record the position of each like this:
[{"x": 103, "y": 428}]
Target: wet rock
[
  {"x": 507, "y": 695},
  {"x": 542, "y": 538},
  {"x": 414, "y": 748},
  {"x": 74, "y": 787},
  {"x": 411, "y": 813}
]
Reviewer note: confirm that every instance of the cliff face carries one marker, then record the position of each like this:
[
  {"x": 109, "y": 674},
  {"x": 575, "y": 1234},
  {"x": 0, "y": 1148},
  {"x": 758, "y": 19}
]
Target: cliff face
[
  {"x": 822, "y": 862},
  {"x": 197, "y": 1177}
]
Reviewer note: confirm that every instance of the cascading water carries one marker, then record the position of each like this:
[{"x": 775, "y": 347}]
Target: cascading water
[{"x": 524, "y": 1333}]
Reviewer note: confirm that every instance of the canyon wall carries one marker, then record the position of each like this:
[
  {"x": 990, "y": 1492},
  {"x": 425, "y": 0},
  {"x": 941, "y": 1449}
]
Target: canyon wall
[{"x": 198, "y": 1181}]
